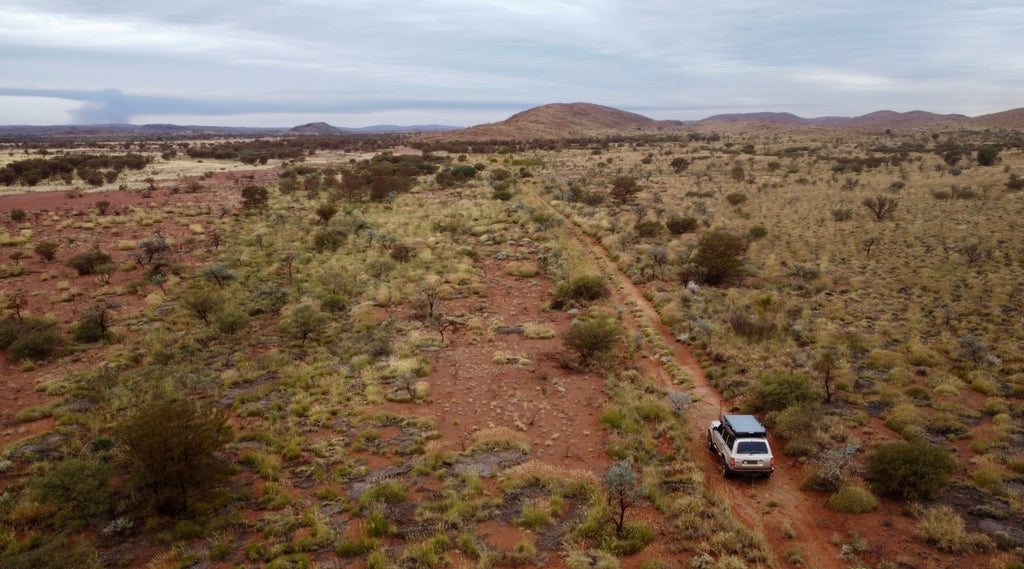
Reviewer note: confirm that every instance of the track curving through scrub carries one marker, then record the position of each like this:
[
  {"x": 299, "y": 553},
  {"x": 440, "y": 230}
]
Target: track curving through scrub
[{"x": 786, "y": 517}]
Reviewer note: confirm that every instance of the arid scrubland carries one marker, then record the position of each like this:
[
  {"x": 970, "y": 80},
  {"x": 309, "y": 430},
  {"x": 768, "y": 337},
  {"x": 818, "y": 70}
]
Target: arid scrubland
[{"x": 412, "y": 360}]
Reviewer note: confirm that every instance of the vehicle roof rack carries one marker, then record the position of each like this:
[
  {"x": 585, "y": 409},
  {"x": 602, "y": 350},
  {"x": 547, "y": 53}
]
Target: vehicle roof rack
[{"x": 745, "y": 425}]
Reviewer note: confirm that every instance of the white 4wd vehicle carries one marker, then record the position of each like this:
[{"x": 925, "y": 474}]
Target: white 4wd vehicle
[{"x": 741, "y": 443}]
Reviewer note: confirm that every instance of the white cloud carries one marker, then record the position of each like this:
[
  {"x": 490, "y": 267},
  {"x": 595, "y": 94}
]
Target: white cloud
[{"x": 782, "y": 54}]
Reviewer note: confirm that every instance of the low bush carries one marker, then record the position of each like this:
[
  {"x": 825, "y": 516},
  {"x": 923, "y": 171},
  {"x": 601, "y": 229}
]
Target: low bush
[
  {"x": 30, "y": 339},
  {"x": 47, "y": 250},
  {"x": 943, "y": 528},
  {"x": 853, "y": 500},
  {"x": 649, "y": 228},
  {"x": 678, "y": 225},
  {"x": 87, "y": 263},
  {"x": 581, "y": 289},
  {"x": 752, "y": 329},
  {"x": 911, "y": 471},
  {"x": 780, "y": 391}
]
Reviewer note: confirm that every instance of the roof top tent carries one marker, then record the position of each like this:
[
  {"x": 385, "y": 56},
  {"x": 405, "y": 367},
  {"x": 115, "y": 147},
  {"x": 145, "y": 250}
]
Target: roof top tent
[{"x": 745, "y": 425}]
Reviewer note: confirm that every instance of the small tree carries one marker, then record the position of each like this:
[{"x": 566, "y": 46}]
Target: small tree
[
  {"x": 47, "y": 250},
  {"x": 254, "y": 197},
  {"x": 94, "y": 325},
  {"x": 304, "y": 321},
  {"x": 988, "y": 155},
  {"x": 868, "y": 244},
  {"x": 149, "y": 249},
  {"x": 218, "y": 273},
  {"x": 624, "y": 189},
  {"x": 169, "y": 449},
  {"x": 827, "y": 365},
  {"x": 679, "y": 164},
  {"x": 202, "y": 302},
  {"x": 720, "y": 256},
  {"x": 13, "y": 301},
  {"x": 973, "y": 253},
  {"x": 624, "y": 491},
  {"x": 326, "y": 211},
  {"x": 881, "y": 206},
  {"x": 591, "y": 337}
]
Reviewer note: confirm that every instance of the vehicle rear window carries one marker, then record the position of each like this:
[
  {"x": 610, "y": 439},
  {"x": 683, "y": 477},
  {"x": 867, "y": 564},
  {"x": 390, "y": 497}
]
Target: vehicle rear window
[{"x": 752, "y": 447}]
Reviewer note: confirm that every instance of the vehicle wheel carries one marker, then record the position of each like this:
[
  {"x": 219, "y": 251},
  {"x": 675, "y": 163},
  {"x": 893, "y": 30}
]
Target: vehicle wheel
[
  {"x": 711, "y": 445},
  {"x": 726, "y": 473}
]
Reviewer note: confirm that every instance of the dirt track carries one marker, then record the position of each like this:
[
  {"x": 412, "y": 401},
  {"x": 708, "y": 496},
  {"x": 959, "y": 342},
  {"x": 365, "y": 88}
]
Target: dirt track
[{"x": 764, "y": 506}]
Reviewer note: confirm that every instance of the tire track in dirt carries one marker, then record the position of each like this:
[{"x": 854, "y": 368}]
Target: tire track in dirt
[{"x": 775, "y": 509}]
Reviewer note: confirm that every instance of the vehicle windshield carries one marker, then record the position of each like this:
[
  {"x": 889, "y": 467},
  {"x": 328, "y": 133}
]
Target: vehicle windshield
[{"x": 752, "y": 447}]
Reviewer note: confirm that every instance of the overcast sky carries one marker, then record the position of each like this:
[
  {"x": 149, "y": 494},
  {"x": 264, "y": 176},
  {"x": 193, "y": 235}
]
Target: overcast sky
[{"x": 464, "y": 62}]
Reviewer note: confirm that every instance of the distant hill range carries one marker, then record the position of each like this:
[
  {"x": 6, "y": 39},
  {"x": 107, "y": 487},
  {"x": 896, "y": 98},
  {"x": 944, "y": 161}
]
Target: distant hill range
[
  {"x": 553, "y": 121},
  {"x": 561, "y": 120},
  {"x": 324, "y": 129}
]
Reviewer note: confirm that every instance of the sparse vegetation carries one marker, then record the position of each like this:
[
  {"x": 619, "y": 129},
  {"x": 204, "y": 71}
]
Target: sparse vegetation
[{"x": 324, "y": 332}]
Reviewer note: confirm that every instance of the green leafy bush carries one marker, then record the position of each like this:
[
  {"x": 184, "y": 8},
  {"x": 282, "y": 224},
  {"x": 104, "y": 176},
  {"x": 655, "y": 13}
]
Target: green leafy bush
[
  {"x": 911, "y": 471},
  {"x": 87, "y": 263},
  {"x": 584, "y": 288},
  {"x": 720, "y": 256},
  {"x": 591, "y": 337},
  {"x": 30, "y": 339},
  {"x": 169, "y": 448},
  {"x": 780, "y": 391},
  {"x": 47, "y": 250},
  {"x": 649, "y": 228},
  {"x": 678, "y": 224}
]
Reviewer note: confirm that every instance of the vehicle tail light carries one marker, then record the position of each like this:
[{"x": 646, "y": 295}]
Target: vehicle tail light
[
  {"x": 732, "y": 462},
  {"x": 773, "y": 461}
]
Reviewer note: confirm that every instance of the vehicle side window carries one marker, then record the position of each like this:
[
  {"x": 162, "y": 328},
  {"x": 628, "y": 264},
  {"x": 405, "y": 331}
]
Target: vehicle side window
[{"x": 729, "y": 438}]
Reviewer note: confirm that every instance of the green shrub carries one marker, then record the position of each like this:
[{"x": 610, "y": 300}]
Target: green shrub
[
  {"x": 18, "y": 215},
  {"x": 736, "y": 198},
  {"x": 591, "y": 337},
  {"x": 230, "y": 320},
  {"x": 328, "y": 240},
  {"x": 47, "y": 250},
  {"x": 649, "y": 228},
  {"x": 584, "y": 288},
  {"x": 87, "y": 263},
  {"x": 678, "y": 224},
  {"x": 911, "y": 471},
  {"x": 780, "y": 391},
  {"x": 169, "y": 448},
  {"x": 77, "y": 487},
  {"x": 720, "y": 257},
  {"x": 853, "y": 500},
  {"x": 36, "y": 345}
]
